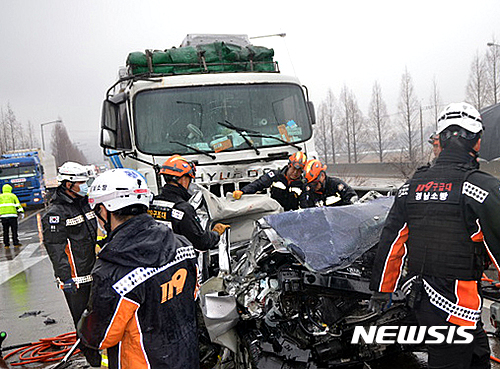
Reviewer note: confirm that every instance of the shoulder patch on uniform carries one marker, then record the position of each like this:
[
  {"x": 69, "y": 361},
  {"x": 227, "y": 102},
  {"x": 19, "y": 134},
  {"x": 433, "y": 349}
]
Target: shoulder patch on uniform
[
  {"x": 54, "y": 219},
  {"x": 177, "y": 214},
  {"x": 163, "y": 203},
  {"x": 475, "y": 192},
  {"x": 270, "y": 174}
]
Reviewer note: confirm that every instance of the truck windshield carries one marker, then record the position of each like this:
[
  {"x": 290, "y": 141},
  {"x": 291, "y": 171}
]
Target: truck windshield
[
  {"x": 17, "y": 171},
  {"x": 167, "y": 118}
]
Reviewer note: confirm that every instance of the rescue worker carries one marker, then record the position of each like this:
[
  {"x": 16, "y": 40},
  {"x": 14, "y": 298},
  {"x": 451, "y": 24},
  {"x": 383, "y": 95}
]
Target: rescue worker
[
  {"x": 436, "y": 147},
  {"x": 322, "y": 190},
  {"x": 142, "y": 307},
  {"x": 69, "y": 235},
  {"x": 286, "y": 183},
  {"x": 444, "y": 221},
  {"x": 10, "y": 209},
  {"x": 172, "y": 206}
]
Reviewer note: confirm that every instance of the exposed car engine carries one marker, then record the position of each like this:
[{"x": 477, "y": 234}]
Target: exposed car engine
[{"x": 293, "y": 301}]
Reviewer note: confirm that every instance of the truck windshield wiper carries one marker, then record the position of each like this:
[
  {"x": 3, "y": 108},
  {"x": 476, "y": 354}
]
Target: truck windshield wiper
[
  {"x": 240, "y": 131},
  {"x": 252, "y": 133},
  {"x": 213, "y": 157},
  {"x": 275, "y": 138}
]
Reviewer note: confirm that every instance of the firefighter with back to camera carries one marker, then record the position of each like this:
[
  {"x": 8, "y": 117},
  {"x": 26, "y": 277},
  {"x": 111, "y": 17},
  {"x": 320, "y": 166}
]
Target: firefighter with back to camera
[
  {"x": 323, "y": 190},
  {"x": 286, "y": 183},
  {"x": 142, "y": 307},
  {"x": 445, "y": 222},
  {"x": 172, "y": 206}
]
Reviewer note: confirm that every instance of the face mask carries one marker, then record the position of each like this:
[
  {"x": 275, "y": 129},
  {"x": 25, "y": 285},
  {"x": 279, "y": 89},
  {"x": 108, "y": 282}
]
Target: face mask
[
  {"x": 84, "y": 189},
  {"x": 102, "y": 229}
]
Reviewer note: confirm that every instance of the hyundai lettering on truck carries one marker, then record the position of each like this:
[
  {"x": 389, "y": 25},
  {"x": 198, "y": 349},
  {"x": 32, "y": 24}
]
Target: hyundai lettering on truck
[{"x": 217, "y": 100}]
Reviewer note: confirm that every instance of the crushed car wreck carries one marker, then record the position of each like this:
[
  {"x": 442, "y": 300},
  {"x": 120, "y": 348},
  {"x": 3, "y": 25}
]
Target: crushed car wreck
[{"x": 293, "y": 298}]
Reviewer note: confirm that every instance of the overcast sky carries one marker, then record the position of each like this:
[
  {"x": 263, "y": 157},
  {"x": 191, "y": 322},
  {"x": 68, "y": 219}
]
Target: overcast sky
[{"x": 60, "y": 56}]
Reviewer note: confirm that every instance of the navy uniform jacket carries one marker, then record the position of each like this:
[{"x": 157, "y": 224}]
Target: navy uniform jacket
[{"x": 142, "y": 307}]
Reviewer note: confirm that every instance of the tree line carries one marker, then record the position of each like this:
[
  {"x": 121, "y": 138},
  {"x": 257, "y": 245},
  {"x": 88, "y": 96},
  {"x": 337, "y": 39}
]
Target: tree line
[
  {"x": 344, "y": 134},
  {"x": 16, "y": 135}
]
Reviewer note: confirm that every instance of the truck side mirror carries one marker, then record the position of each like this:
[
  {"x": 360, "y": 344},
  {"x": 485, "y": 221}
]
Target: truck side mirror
[
  {"x": 108, "y": 139},
  {"x": 115, "y": 132},
  {"x": 312, "y": 114}
]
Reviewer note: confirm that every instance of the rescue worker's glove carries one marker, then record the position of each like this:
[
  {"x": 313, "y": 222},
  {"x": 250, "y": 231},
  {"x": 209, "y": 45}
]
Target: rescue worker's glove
[
  {"x": 220, "y": 228},
  {"x": 93, "y": 356},
  {"x": 237, "y": 194},
  {"x": 380, "y": 301},
  {"x": 69, "y": 286}
]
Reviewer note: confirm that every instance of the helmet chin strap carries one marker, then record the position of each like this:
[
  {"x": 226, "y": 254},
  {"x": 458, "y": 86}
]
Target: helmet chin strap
[{"x": 107, "y": 221}]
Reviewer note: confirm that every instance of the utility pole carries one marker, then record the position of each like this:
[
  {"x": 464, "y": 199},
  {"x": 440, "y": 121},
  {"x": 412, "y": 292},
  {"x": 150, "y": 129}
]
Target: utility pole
[{"x": 41, "y": 129}]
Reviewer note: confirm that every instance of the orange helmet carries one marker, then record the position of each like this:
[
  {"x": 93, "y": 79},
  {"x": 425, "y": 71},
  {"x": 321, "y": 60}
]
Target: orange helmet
[
  {"x": 313, "y": 169},
  {"x": 298, "y": 160},
  {"x": 177, "y": 166}
]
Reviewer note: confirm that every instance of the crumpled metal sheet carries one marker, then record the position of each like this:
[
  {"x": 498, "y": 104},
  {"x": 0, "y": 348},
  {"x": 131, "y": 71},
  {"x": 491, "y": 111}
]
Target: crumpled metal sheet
[{"x": 327, "y": 239}]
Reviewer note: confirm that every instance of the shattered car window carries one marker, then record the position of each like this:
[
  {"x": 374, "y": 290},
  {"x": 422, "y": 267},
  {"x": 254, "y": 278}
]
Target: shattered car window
[{"x": 327, "y": 239}]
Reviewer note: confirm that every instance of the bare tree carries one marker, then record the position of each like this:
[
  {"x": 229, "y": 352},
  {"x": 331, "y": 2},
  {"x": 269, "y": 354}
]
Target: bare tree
[
  {"x": 493, "y": 72},
  {"x": 321, "y": 131},
  {"x": 358, "y": 126},
  {"x": 352, "y": 121},
  {"x": 378, "y": 118},
  {"x": 346, "y": 118},
  {"x": 63, "y": 148},
  {"x": 409, "y": 110},
  {"x": 477, "y": 87},
  {"x": 435, "y": 102},
  {"x": 331, "y": 109},
  {"x": 31, "y": 140},
  {"x": 13, "y": 134},
  {"x": 10, "y": 128}
]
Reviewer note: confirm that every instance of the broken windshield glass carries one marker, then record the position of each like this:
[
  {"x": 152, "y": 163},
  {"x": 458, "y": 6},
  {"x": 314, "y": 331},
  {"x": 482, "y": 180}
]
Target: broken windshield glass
[{"x": 327, "y": 239}]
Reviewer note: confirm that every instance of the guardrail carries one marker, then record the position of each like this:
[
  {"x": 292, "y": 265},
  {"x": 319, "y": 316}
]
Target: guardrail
[{"x": 386, "y": 177}]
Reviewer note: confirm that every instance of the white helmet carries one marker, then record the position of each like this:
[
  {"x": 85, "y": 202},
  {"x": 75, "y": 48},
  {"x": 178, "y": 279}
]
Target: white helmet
[
  {"x": 72, "y": 172},
  {"x": 119, "y": 188},
  {"x": 461, "y": 114}
]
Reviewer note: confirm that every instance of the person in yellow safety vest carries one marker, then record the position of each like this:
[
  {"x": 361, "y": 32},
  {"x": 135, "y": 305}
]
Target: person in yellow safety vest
[{"x": 10, "y": 207}]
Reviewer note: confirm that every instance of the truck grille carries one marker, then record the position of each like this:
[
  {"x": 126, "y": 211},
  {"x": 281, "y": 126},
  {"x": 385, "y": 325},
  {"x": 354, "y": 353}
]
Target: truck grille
[{"x": 221, "y": 189}]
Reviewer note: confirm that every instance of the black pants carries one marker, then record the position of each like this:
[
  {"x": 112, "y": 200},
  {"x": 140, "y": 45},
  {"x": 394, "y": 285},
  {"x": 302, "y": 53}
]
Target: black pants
[
  {"x": 475, "y": 355},
  {"x": 7, "y": 224},
  {"x": 77, "y": 302}
]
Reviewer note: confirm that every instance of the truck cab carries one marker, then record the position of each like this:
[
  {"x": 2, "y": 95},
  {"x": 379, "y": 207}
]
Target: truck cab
[
  {"x": 24, "y": 173},
  {"x": 235, "y": 117}
]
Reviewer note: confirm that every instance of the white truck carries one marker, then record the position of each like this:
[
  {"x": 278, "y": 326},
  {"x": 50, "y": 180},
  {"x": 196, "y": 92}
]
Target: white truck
[{"x": 217, "y": 100}]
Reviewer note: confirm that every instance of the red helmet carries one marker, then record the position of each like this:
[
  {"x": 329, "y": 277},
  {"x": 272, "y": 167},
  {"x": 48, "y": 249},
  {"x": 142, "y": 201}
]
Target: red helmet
[
  {"x": 313, "y": 169},
  {"x": 177, "y": 166},
  {"x": 298, "y": 160}
]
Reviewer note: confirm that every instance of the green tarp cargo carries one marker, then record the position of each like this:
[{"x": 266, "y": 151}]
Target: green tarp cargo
[{"x": 214, "y": 57}]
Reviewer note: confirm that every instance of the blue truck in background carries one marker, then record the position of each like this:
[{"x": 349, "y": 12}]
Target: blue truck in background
[{"x": 31, "y": 173}]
